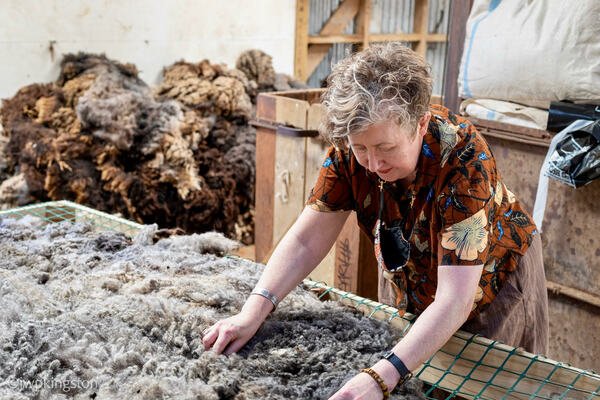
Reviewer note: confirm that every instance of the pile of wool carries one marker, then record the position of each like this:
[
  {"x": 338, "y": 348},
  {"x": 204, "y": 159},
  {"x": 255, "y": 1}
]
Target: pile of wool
[
  {"x": 258, "y": 67},
  {"x": 99, "y": 315},
  {"x": 179, "y": 155}
]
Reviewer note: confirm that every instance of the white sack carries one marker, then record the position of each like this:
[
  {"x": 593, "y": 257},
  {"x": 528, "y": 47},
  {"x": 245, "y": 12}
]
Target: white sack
[
  {"x": 507, "y": 112},
  {"x": 532, "y": 51}
]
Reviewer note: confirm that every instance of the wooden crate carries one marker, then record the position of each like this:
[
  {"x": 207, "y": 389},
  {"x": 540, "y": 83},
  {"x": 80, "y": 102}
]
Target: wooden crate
[{"x": 289, "y": 154}]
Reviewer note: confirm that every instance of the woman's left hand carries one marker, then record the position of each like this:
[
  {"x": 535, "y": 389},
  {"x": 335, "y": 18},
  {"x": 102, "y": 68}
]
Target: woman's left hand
[{"x": 362, "y": 386}]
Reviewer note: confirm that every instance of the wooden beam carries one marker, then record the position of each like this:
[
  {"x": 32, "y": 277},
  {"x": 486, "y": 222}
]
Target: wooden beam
[
  {"x": 301, "y": 45},
  {"x": 264, "y": 198},
  {"x": 331, "y": 39},
  {"x": 459, "y": 13},
  {"x": 385, "y": 37},
  {"x": 421, "y": 26},
  {"x": 409, "y": 37},
  {"x": 576, "y": 294},
  {"x": 316, "y": 54},
  {"x": 341, "y": 17},
  {"x": 335, "y": 25},
  {"x": 363, "y": 21}
]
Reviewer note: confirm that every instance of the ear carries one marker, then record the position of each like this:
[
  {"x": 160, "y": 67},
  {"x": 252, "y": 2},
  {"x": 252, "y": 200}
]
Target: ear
[{"x": 424, "y": 123}]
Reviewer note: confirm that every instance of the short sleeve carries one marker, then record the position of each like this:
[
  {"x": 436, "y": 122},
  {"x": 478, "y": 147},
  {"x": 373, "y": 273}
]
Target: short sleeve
[
  {"x": 332, "y": 191},
  {"x": 466, "y": 204}
]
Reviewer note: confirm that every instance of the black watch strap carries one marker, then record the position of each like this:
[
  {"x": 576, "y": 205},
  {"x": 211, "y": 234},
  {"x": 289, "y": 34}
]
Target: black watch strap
[{"x": 404, "y": 372}]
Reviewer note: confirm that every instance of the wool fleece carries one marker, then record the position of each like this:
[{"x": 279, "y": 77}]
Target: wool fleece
[
  {"x": 180, "y": 154},
  {"x": 99, "y": 315}
]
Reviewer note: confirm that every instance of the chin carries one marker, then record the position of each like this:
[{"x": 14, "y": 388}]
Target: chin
[
  {"x": 393, "y": 176},
  {"x": 389, "y": 176}
]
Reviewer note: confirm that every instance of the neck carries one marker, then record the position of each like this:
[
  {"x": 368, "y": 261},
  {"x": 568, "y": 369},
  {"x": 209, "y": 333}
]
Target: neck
[{"x": 405, "y": 183}]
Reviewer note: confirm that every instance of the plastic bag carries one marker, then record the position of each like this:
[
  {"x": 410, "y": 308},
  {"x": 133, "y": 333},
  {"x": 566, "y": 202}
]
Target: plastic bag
[
  {"x": 573, "y": 158},
  {"x": 561, "y": 114},
  {"x": 576, "y": 159}
]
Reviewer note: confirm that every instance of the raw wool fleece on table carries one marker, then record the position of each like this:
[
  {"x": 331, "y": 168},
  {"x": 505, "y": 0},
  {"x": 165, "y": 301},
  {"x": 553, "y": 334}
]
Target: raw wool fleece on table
[{"x": 98, "y": 315}]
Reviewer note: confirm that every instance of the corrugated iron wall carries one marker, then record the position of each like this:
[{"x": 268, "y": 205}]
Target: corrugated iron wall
[{"x": 387, "y": 16}]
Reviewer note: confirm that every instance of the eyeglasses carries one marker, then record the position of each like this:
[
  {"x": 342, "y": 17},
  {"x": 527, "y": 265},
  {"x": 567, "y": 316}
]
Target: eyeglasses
[{"x": 392, "y": 251}]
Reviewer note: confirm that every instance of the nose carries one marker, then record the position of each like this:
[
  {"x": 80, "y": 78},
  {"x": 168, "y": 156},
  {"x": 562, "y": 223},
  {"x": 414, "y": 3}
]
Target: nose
[{"x": 374, "y": 163}]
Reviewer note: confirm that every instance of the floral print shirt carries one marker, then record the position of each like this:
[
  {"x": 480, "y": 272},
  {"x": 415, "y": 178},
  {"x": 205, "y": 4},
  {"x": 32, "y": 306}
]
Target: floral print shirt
[{"x": 457, "y": 211}]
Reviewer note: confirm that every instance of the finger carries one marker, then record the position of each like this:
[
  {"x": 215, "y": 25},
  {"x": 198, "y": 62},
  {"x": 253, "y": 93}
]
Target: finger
[
  {"x": 234, "y": 346},
  {"x": 209, "y": 337},
  {"x": 225, "y": 336}
]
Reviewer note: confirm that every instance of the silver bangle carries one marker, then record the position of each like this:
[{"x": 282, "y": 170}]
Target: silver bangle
[{"x": 267, "y": 295}]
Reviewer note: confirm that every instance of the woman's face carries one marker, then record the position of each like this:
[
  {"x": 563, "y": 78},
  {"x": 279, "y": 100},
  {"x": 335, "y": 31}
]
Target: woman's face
[{"x": 389, "y": 150}]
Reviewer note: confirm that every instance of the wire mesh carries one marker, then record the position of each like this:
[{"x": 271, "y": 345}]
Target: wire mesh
[
  {"x": 474, "y": 367},
  {"x": 58, "y": 211},
  {"x": 468, "y": 366}
]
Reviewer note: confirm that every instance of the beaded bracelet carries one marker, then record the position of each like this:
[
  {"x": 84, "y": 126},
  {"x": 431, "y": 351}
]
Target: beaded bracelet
[{"x": 379, "y": 380}]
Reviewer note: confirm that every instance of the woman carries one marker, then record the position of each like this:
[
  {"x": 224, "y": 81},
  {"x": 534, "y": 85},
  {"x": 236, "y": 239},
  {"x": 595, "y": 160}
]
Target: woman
[{"x": 453, "y": 244}]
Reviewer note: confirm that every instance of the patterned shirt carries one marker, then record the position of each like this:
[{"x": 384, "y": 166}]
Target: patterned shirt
[{"x": 457, "y": 211}]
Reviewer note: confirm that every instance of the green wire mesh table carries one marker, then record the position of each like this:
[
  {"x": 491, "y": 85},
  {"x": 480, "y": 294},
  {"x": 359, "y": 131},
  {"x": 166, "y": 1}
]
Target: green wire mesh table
[
  {"x": 474, "y": 367},
  {"x": 468, "y": 366}
]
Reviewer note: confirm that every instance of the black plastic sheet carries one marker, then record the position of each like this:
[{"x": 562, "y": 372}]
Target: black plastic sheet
[{"x": 561, "y": 114}]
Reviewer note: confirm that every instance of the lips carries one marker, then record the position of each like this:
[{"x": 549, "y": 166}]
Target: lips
[{"x": 385, "y": 171}]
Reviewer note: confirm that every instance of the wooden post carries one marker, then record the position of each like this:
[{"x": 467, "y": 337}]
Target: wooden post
[
  {"x": 363, "y": 21},
  {"x": 421, "y": 26},
  {"x": 301, "y": 60},
  {"x": 459, "y": 13},
  {"x": 265, "y": 161}
]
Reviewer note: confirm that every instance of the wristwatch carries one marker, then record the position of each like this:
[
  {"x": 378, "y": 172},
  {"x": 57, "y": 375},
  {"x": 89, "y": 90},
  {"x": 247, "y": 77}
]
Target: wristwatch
[{"x": 405, "y": 374}]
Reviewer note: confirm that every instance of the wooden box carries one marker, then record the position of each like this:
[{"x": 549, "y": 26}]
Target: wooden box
[{"x": 289, "y": 154}]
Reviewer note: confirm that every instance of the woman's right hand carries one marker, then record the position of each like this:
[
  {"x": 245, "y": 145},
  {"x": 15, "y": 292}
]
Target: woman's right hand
[{"x": 231, "y": 334}]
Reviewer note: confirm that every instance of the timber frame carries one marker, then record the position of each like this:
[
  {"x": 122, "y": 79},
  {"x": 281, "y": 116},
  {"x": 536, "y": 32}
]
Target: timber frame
[{"x": 311, "y": 50}]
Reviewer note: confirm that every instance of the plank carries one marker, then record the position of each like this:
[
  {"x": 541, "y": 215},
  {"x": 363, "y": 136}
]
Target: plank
[
  {"x": 288, "y": 199},
  {"x": 557, "y": 288},
  {"x": 347, "y": 256},
  {"x": 341, "y": 17},
  {"x": 377, "y": 37},
  {"x": 409, "y": 37},
  {"x": 301, "y": 39},
  {"x": 291, "y": 112},
  {"x": 363, "y": 19},
  {"x": 459, "y": 13},
  {"x": 335, "y": 25},
  {"x": 368, "y": 273},
  {"x": 316, "y": 149},
  {"x": 264, "y": 197},
  {"x": 421, "y": 26}
]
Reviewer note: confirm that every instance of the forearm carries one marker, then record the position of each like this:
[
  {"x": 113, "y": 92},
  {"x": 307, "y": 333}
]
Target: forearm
[
  {"x": 289, "y": 264},
  {"x": 434, "y": 327},
  {"x": 441, "y": 319},
  {"x": 430, "y": 332},
  {"x": 297, "y": 254}
]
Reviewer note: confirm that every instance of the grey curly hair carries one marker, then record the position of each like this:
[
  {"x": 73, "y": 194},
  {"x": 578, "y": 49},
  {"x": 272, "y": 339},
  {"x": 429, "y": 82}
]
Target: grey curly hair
[{"x": 383, "y": 82}]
